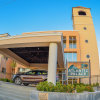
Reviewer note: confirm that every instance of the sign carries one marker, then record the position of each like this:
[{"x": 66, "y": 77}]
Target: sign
[{"x": 78, "y": 70}]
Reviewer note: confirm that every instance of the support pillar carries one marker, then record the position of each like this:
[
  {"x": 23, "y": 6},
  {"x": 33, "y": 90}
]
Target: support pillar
[{"x": 52, "y": 63}]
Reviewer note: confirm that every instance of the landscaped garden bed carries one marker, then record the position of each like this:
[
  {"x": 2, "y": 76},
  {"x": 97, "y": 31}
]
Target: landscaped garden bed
[
  {"x": 50, "y": 87},
  {"x": 49, "y": 91}
]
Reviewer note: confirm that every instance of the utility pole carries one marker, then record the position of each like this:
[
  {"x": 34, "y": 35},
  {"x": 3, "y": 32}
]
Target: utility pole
[
  {"x": 67, "y": 71},
  {"x": 89, "y": 72}
]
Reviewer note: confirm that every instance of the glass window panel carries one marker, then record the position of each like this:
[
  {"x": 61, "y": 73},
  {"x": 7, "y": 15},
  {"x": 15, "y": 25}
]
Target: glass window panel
[
  {"x": 75, "y": 57},
  {"x": 70, "y": 57},
  {"x": 74, "y": 38},
  {"x": 64, "y": 45},
  {"x": 65, "y": 56},
  {"x": 72, "y": 42},
  {"x": 20, "y": 69},
  {"x": 70, "y": 38},
  {"x": 70, "y": 45},
  {"x": 3, "y": 70},
  {"x": 44, "y": 73},
  {"x": 74, "y": 45},
  {"x": 64, "y": 42},
  {"x": 31, "y": 73}
]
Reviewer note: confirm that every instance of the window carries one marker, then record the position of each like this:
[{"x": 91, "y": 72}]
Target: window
[
  {"x": 88, "y": 56},
  {"x": 3, "y": 70},
  {"x": 41, "y": 73},
  {"x": 20, "y": 70},
  {"x": 64, "y": 41},
  {"x": 6, "y": 58},
  {"x": 72, "y": 42},
  {"x": 31, "y": 73},
  {"x": 70, "y": 57},
  {"x": 82, "y": 13},
  {"x": 85, "y": 28},
  {"x": 44, "y": 73},
  {"x": 86, "y": 41}
]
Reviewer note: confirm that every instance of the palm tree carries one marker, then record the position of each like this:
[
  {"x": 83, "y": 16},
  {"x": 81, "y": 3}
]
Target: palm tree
[{"x": 13, "y": 65}]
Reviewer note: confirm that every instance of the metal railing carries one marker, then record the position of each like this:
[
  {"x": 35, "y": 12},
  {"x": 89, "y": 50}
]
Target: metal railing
[{"x": 72, "y": 80}]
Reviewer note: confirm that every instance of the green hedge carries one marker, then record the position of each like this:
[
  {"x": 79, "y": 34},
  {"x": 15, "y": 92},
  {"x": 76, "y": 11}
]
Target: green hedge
[
  {"x": 6, "y": 80},
  {"x": 50, "y": 87}
]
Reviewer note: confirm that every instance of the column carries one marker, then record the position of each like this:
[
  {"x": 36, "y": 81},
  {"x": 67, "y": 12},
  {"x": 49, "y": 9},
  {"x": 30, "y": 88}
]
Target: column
[{"x": 52, "y": 63}]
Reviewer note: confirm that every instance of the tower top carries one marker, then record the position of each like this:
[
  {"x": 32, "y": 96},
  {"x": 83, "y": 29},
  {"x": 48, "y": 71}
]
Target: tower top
[
  {"x": 81, "y": 7},
  {"x": 81, "y": 11}
]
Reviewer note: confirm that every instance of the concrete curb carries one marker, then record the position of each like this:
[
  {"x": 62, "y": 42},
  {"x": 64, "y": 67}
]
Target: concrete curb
[{"x": 39, "y": 95}]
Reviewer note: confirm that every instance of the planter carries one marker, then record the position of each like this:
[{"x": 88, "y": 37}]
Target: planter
[
  {"x": 38, "y": 95},
  {"x": 95, "y": 88}
]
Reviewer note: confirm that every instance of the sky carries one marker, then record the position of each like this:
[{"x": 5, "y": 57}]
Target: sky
[{"x": 19, "y": 16}]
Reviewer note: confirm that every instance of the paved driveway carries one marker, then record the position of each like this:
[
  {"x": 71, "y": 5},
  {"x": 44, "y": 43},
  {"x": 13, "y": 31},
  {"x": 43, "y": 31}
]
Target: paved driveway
[{"x": 10, "y": 91}]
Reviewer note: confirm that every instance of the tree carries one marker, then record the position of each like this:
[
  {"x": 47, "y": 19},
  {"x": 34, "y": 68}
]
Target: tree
[{"x": 13, "y": 65}]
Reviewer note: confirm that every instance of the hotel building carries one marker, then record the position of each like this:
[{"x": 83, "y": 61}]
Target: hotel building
[{"x": 51, "y": 50}]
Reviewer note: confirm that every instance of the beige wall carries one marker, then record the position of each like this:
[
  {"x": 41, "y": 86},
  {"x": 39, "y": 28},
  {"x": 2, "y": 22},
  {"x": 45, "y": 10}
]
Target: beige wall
[
  {"x": 79, "y": 22},
  {"x": 67, "y": 34}
]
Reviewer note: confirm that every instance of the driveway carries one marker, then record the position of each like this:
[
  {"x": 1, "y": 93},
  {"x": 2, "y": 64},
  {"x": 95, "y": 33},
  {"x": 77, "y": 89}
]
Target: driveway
[{"x": 10, "y": 91}]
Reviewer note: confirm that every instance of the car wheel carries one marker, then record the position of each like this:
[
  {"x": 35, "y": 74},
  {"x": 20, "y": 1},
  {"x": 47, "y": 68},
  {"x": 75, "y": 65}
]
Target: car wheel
[
  {"x": 18, "y": 81},
  {"x": 26, "y": 84}
]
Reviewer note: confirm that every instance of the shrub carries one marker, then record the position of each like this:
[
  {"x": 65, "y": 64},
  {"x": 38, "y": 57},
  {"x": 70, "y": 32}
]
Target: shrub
[
  {"x": 45, "y": 86},
  {"x": 70, "y": 88},
  {"x": 80, "y": 88},
  {"x": 50, "y": 87},
  {"x": 11, "y": 81},
  {"x": 89, "y": 89},
  {"x": 6, "y": 80},
  {"x": 60, "y": 88}
]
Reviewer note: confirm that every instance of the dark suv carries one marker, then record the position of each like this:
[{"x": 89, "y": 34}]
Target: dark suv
[{"x": 34, "y": 76}]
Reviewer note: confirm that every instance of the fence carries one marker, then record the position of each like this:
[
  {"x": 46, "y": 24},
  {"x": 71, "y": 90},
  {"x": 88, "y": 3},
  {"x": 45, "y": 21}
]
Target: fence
[
  {"x": 71, "y": 80},
  {"x": 94, "y": 79}
]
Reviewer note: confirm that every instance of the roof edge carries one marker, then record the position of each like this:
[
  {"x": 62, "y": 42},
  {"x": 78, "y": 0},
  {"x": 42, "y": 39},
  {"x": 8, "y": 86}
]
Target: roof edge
[{"x": 81, "y": 7}]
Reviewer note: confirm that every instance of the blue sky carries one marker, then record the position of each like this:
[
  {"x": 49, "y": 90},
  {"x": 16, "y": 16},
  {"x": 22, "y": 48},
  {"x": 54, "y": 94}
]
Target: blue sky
[{"x": 18, "y": 16}]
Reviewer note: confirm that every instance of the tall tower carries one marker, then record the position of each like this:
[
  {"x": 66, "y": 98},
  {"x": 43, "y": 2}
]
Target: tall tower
[{"x": 82, "y": 21}]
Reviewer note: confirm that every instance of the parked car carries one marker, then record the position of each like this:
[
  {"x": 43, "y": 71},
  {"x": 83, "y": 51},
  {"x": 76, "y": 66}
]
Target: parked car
[{"x": 30, "y": 77}]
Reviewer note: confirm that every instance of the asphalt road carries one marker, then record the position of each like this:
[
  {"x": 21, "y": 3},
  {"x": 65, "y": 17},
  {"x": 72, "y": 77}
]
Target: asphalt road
[{"x": 10, "y": 91}]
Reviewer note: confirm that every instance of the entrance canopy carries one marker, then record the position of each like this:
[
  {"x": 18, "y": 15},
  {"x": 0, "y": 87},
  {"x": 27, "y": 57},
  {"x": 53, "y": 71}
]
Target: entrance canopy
[{"x": 32, "y": 49}]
